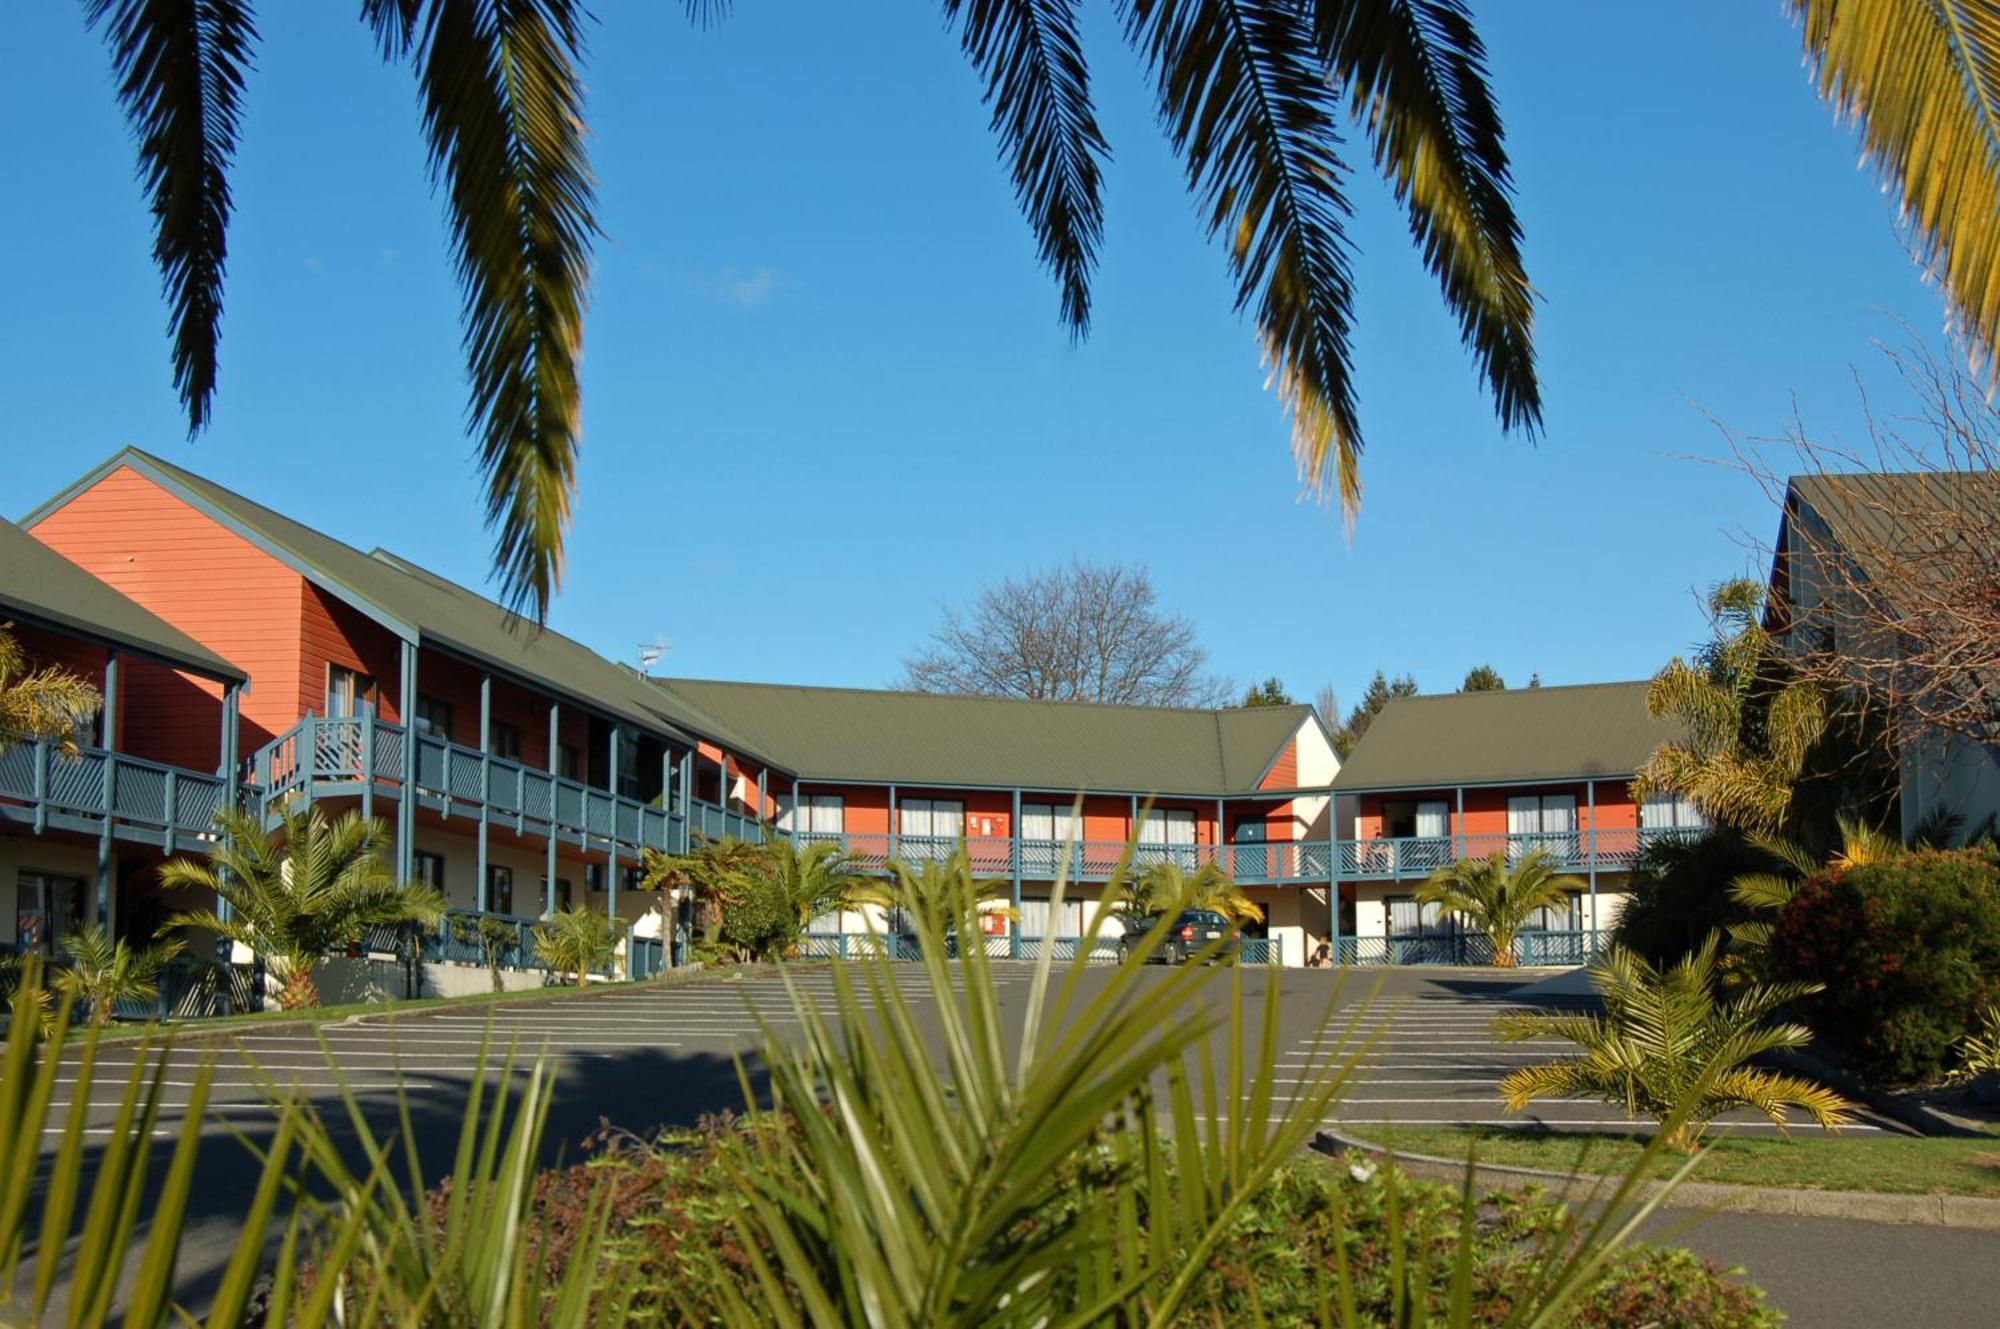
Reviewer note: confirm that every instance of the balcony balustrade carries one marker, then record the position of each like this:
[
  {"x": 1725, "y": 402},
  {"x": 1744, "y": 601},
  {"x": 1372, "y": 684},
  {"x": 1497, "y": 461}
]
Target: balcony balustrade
[
  {"x": 365, "y": 755},
  {"x": 140, "y": 800},
  {"x": 1275, "y": 862}
]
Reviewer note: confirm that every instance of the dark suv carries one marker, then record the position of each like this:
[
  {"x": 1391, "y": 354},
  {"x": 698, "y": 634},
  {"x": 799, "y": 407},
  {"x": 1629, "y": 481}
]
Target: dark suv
[{"x": 1192, "y": 931}]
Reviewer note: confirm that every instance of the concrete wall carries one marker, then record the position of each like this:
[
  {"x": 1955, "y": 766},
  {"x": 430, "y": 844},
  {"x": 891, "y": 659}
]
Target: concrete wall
[{"x": 343, "y": 981}]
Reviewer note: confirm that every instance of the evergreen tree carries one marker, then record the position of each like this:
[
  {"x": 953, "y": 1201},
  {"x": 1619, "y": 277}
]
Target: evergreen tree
[
  {"x": 1381, "y": 691},
  {"x": 1271, "y": 692},
  {"x": 1483, "y": 678}
]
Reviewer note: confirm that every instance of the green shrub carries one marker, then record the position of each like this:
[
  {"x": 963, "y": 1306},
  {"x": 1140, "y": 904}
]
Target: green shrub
[
  {"x": 758, "y": 924},
  {"x": 1680, "y": 894},
  {"x": 669, "y": 1202},
  {"x": 1908, "y": 952}
]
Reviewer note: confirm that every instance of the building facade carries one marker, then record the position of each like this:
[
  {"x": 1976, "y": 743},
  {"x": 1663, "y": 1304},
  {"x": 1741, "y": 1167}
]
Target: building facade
[{"x": 522, "y": 772}]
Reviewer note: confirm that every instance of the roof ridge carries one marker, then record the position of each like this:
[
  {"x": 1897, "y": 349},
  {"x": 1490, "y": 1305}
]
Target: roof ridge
[
  {"x": 1544, "y": 688},
  {"x": 670, "y": 681}
]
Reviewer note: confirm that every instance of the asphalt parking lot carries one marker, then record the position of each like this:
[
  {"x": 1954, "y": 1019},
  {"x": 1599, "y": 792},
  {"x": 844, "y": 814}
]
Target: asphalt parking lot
[{"x": 643, "y": 1057}]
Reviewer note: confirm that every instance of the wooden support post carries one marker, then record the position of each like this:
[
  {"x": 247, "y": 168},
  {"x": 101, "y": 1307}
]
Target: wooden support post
[
  {"x": 555, "y": 799},
  {"x": 1014, "y": 870},
  {"x": 100, "y": 906},
  {"x": 1590, "y": 794},
  {"x": 406, "y": 808},
  {"x": 483, "y": 900}
]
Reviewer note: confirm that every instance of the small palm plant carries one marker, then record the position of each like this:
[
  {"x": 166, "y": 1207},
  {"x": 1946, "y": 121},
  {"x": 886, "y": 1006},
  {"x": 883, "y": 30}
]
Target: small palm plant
[
  {"x": 1165, "y": 885},
  {"x": 576, "y": 942},
  {"x": 1498, "y": 898},
  {"x": 492, "y": 936},
  {"x": 104, "y": 971},
  {"x": 299, "y": 894},
  {"x": 48, "y": 703},
  {"x": 816, "y": 879},
  {"x": 1670, "y": 1046}
]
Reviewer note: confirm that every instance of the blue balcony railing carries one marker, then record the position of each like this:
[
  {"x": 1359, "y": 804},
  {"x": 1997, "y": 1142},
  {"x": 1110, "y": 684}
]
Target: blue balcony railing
[
  {"x": 365, "y": 755},
  {"x": 147, "y": 800},
  {"x": 1276, "y": 862},
  {"x": 1536, "y": 947}
]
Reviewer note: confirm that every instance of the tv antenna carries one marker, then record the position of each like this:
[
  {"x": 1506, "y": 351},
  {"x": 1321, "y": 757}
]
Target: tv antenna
[{"x": 649, "y": 654}]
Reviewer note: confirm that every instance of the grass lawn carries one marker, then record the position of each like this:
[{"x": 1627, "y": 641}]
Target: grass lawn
[
  {"x": 126, "y": 1030},
  {"x": 1809, "y": 1159}
]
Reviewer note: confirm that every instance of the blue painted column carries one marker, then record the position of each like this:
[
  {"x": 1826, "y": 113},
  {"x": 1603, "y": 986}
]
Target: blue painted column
[
  {"x": 611, "y": 866},
  {"x": 1014, "y": 867},
  {"x": 894, "y": 829},
  {"x": 1590, "y": 795},
  {"x": 798, "y": 809},
  {"x": 763, "y": 793},
  {"x": 555, "y": 773},
  {"x": 485, "y": 897},
  {"x": 232, "y": 790},
  {"x": 103, "y": 906},
  {"x": 406, "y": 807}
]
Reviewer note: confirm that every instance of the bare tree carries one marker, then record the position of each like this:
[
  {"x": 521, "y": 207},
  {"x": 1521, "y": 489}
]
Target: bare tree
[
  {"x": 1887, "y": 577},
  {"x": 1327, "y": 702},
  {"x": 1081, "y": 632}
]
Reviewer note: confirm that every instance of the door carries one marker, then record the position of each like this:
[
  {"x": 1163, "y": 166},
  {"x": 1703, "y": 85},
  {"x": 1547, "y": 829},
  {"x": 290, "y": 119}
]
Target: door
[
  {"x": 47, "y": 909},
  {"x": 1431, "y": 849},
  {"x": 1252, "y": 859}
]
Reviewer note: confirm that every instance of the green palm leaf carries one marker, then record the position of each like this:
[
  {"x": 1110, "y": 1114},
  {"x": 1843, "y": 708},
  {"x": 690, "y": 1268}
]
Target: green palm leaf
[
  {"x": 1039, "y": 88},
  {"x": 503, "y": 112},
  {"x": 1921, "y": 78},
  {"x": 49, "y": 703},
  {"x": 1415, "y": 74},
  {"x": 1249, "y": 107},
  {"x": 180, "y": 67}
]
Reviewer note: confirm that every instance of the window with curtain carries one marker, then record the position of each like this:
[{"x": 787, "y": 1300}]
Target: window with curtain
[
  {"x": 1407, "y": 918},
  {"x": 1433, "y": 820},
  {"x": 347, "y": 691},
  {"x": 1545, "y": 821},
  {"x": 499, "y": 889},
  {"x": 1660, "y": 812},
  {"x": 930, "y": 827},
  {"x": 1168, "y": 834},
  {"x": 1046, "y": 830},
  {"x": 506, "y": 740},
  {"x": 822, "y": 814}
]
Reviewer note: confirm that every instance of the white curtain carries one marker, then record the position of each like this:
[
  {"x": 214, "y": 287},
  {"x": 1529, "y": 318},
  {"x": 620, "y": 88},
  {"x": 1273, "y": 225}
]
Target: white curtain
[
  {"x": 1433, "y": 820},
  {"x": 1657, "y": 812},
  {"x": 1559, "y": 813},
  {"x": 1524, "y": 814},
  {"x": 824, "y": 814}
]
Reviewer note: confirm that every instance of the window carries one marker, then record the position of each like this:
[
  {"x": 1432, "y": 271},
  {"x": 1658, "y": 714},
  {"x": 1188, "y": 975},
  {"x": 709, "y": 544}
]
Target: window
[
  {"x": 1542, "y": 821},
  {"x": 434, "y": 718},
  {"x": 931, "y": 827},
  {"x": 1564, "y": 917},
  {"x": 822, "y": 814},
  {"x": 1409, "y": 919},
  {"x": 499, "y": 889},
  {"x": 568, "y": 762},
  {"x": 47, "y": 908},
  {"x": 629, "y": 878},
  {"x": 1047, "y": 829},
  {"x": 506, "y": 741},
  {"x": 1167, "y": 835},
  {"x": 1662, "y": 812},
  {"x": 562, "y": 891},
  {"x": 430, "y": 870},
  {"x": 347, "y": 691}
]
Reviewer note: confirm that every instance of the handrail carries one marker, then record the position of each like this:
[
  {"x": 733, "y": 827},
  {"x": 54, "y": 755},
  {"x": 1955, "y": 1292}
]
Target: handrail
[
  {"x": 369, "y": 753},
  {"x": 98, "y": 782}
]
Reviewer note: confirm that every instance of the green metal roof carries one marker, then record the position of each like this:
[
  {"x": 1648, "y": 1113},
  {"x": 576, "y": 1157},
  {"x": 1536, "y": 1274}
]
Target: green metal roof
[
  {"x": 38, "y": 583},
  {"x": 1522, "y": 735},
  {"x": 421, "y": 606},
  {"x": 851, "y": 734},
  {"x": 1911, "y": 518}
]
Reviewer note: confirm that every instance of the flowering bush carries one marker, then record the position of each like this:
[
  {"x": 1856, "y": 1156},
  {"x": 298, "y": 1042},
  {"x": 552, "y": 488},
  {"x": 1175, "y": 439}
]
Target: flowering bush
[{"x": 1907, "y": 951}]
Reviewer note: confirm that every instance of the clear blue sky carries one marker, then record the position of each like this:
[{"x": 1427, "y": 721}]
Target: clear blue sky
[{"x": 826, "y": 390}]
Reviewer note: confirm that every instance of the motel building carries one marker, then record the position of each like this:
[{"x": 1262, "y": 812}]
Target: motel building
[{"x": 248, "y": 657}]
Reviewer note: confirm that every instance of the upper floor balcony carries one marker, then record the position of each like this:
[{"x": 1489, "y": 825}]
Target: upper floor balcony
[
  {"x": 365, "y": 757},
  {"x": 98, "y": 792},
  {"x": 1273, "y": 863}
]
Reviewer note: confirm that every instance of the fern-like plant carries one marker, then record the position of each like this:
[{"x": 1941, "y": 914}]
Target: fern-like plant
[
  {"x": 1498, "y": 898},
  {"x": 1669, "y": 1045},
  {"x": 102, "y": 971},
  {"x": 576, "y": 942},
  {"x": 298, "y": 894}
]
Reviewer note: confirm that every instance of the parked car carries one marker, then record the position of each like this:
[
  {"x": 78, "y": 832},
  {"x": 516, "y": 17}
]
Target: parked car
[{"x": 1191, "y": 932}]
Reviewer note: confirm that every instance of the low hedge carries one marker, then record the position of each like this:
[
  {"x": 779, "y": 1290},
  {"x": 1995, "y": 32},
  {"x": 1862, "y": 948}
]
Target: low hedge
[
  {"x": 1908, "y": 952},
  {"x": 673, "y": 1202}
]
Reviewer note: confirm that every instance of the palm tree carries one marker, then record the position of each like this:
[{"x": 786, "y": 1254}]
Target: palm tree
[
  {"x": 1498, "y": 898},
  {"x": 577, "y": 941},
  {"x": 1165, "y": 886},
  {"x": 1252, "y": 94},
  {"x": 103, "y": 971},
  {"x": 1669, "y": 1046},
  {"x": 1750, "y": 724},
  {"x": 818, "y": 879},
  {"x": 300, "y": 893},
  {"x": 50, "y": 704}
]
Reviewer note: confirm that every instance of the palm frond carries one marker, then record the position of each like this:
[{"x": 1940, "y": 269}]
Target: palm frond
[
  {"x": 1039, "y": 88},
  {"x": 1763, "y": 890},
  {"x": 503, "y": 112},
  {"x": 1921, "y": 78},
  {"x": 50, "y": 703},
  {"x": 1771, "y": 1093},
  {"x": 1249, "y": 107},
  {"x": 1415, "y": 74},
  {"x": 180, "y": 67}
]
